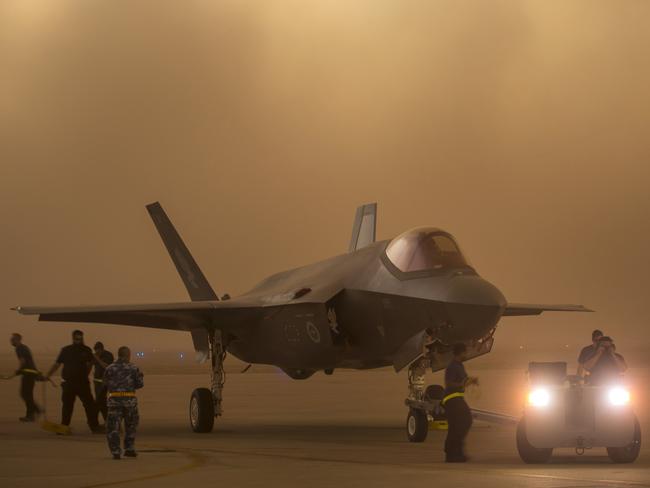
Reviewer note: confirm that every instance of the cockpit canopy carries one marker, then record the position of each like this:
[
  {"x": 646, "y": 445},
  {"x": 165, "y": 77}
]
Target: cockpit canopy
[{"x": 424, "y": 249}]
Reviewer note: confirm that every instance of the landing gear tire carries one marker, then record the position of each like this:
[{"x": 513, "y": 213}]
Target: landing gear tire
[
  {"x": 629, "y": 453},
  {"x": 528, "y": 453},
  {"x": 201, "y": 411},
  {"x": 417, "y": 425}
]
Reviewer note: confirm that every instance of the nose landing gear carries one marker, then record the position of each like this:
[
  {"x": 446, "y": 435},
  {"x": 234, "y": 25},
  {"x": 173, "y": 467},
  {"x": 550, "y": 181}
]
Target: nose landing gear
[{"x": 425, "y": 410}]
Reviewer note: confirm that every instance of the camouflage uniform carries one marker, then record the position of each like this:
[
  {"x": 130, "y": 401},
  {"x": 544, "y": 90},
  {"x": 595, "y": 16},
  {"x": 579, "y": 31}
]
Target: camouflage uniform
[{"x": 122, "y": 376}]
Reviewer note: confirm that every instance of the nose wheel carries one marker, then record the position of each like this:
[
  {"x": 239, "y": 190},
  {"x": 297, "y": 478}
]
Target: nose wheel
[{"x": 417, "y": 425}]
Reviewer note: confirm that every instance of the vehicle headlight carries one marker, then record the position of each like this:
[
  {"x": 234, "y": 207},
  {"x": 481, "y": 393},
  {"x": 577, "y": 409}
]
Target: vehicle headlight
[
  {"x": 539, "y": 397},
  {"x": 618, "y": 396}
]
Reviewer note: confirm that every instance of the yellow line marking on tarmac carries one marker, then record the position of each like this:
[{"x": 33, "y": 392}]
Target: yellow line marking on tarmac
[{"x": 196, "y": 460}]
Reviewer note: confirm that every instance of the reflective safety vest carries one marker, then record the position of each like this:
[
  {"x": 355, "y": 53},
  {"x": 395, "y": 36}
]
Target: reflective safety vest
[
  {"x": 458, "y": 394},
  {"x": 28, "y": 371},
  {"x": 117, "y": 394}
]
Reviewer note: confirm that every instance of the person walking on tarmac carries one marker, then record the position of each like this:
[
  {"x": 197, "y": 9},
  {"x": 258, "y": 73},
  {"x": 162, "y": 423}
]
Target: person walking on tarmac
[
  {"x": 29, "y": 375},
  {"x": 77, "y": 359},
  {"x": 459, "y": 416},
  {"x": 121, "y": 379},
  {"x": 102, "y": 358}
]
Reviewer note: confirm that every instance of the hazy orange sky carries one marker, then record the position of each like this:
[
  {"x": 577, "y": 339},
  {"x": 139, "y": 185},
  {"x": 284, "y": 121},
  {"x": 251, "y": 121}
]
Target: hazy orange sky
[{"x": 522, "y": 127}]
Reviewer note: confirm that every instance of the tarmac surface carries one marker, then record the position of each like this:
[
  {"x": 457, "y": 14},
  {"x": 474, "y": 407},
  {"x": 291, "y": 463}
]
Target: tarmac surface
[{"x": 341, "y": 430}]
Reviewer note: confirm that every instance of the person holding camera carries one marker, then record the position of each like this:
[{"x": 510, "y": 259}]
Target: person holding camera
[
  {"x": 587, "y": 352},
  {"x": 605, "y": 364}
]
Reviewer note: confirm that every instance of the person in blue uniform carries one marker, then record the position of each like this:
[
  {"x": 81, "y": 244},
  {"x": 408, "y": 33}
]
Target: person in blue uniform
[
  {"x": 121, "y": 379},
  {"x": 459, "y": 416}
]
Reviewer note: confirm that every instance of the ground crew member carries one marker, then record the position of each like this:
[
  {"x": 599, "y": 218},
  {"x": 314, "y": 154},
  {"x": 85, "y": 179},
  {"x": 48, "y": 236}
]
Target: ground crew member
[
  {"x": 77, "y": 359},
  {"x": 102, "y": 359},
  {"x": 588, "y": 352},
  {"x": 121, "y": 379},
  {"x": 459, "y": 416},
  {"x": 29, "y": 374},
  {"x": 606, "y": 364}
]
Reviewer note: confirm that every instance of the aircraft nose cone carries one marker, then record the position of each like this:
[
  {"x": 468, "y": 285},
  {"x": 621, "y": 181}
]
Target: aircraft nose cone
[{"x": 474, "y": 290}]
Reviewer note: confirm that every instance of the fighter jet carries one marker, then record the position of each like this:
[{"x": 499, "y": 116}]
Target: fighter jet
[{"x": 386, "y": 303}]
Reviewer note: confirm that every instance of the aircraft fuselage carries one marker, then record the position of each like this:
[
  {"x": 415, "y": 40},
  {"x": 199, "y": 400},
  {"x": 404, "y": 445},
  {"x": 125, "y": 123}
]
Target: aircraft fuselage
[{"x": 375, "y": 312}]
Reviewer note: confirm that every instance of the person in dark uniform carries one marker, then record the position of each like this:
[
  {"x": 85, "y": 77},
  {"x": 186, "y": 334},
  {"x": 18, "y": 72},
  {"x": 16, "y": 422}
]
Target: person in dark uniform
[
  {"x": 605, "y": 365},
  {"x": 29, "y": 374},
  {"x": 588, "y": 352},
  {"x": 459, "y": 416},
  {"x": 102, "y": 359},
  {"x": 121, "y": 379},
  {"x": 77, "y": 359}
]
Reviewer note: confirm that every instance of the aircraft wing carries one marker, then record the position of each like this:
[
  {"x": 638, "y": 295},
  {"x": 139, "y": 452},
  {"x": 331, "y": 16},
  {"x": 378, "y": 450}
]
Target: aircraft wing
[
  {"x": 172, "y": 316},
  {"x": 513, "y": 309}
]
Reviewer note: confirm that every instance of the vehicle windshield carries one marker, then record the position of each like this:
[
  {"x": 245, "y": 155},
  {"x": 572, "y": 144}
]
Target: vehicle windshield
[{"x": 424, "y": 249}]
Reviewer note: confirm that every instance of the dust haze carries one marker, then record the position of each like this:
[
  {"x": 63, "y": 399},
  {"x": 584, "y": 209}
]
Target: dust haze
[{"x": 520, "y": 127}]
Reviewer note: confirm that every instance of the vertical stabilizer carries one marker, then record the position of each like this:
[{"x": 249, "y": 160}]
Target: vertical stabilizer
[
  {"x": 364, "y": 227},
  {"x": 197, "y": 285}
]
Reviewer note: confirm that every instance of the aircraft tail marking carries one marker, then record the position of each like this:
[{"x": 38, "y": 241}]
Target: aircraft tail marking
[
  {"x": 364, "y": 227},
  {"x": 197, "y": 285}
]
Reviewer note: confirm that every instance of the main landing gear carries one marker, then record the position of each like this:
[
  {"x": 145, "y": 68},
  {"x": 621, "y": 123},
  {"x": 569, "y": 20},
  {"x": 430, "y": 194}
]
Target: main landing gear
[{"x": 206, "y": 404}]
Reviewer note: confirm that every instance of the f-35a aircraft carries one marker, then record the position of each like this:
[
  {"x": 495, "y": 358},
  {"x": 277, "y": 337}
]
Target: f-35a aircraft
[{"x": 387, "y": 303}]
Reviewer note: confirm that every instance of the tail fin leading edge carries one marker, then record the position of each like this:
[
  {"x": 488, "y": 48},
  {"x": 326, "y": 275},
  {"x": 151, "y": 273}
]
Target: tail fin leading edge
[
  {"x": 364, "y": 227},
  {"x": 197, "y": 285}
]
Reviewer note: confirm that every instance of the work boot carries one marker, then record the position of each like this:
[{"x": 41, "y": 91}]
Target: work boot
[
  {"x": 130, "y": 454},
  {"x": 456, "y": 459},
  {"x": 116, "y": 457},
  {"x": 98, "y": 429},
  {"x": 27, "y": 418}
]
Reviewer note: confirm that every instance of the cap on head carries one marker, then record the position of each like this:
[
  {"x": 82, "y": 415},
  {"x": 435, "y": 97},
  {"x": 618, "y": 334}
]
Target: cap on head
[
  {"x": 123, "y": 352},
  {"x": 596, "y": 334},
  {"x": 98, "y": 345},
  {"x": 459, "y": 348},
  {"x": 17, "y": 336}
]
